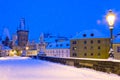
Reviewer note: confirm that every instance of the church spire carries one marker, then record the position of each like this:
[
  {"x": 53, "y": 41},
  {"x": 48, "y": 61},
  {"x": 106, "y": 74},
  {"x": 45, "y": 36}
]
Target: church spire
[{"x": 22, "y": 23}]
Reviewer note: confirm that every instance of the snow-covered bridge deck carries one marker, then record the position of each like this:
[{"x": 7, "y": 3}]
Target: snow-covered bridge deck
[{"x": 23, "y": 68}]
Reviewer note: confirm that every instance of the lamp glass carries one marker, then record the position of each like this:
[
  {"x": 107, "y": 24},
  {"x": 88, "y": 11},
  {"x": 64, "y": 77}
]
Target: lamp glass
[
  {"x": 27, "y": 48},
  {"x": 111, "y": 19}
]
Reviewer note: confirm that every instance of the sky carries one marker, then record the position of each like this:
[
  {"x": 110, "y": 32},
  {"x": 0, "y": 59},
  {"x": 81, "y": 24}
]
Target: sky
[{"x": 60, "y": 17}]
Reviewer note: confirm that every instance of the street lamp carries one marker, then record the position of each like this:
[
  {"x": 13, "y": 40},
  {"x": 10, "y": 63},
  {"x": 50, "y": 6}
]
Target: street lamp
[
  {"x": 110, "y": 17},
  {"x": 27, "y": 48}
]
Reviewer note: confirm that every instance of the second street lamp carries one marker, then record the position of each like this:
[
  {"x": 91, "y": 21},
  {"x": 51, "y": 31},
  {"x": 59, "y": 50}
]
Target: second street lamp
[{"x": 110, "y": 17}]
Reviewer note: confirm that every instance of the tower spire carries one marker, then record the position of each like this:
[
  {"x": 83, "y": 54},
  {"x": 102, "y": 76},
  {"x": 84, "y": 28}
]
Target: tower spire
[{"x": 22, "y": 23}]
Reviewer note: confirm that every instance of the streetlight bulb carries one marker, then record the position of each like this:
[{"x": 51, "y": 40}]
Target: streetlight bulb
[
  {"x": 27, "y": 48},
  {"x": 111, "y": 19}
]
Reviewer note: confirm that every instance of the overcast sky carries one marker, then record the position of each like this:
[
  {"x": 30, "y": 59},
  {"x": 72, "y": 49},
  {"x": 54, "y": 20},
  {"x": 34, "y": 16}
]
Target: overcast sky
[{"x": 64, "y": 17}]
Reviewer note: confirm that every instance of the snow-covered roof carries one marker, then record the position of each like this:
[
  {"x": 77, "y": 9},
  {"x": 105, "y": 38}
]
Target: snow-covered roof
[
  {"x": 0, "y": 42},
  {"x": 5, "y": 48},
  {"x": 90, "y": 34},
  {"x": 59, "y": 45},
  {"x": 55, "y": 39},
  {"x": 117, "y": 39},
  {"x": 49, "y": 40}
]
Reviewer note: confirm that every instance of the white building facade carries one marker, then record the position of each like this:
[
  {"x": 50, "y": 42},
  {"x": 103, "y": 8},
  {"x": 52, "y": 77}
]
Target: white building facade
[{"x": 58, "y": 49}]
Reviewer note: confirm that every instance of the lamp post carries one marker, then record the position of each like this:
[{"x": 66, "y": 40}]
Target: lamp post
[
  {"x": 27, "y": 50},
  {"x": 110, "y": 17}
]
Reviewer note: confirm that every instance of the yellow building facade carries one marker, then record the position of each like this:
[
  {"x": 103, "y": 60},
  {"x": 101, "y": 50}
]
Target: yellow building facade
[
  {"x": 90, "y": 44},
  {"x": 90, "y": 48}
]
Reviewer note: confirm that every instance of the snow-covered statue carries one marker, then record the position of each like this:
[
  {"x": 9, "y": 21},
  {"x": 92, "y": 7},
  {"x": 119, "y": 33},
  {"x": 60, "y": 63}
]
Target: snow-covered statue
[
  {"x": 111, "y": 53},
  {"x": 41, "y": 38},
  {"x": 41, "y": 45}
]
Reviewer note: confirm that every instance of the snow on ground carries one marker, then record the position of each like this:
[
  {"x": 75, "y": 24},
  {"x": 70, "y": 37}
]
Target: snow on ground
[{"x": 23, "y": 68}]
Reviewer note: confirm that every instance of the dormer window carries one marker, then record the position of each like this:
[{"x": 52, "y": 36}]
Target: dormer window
[
  {"x": 60, "y": 45},
  {"x": 67, "y": 44},
  {"x": 84, "y": 35},
  {"x": 56, "y": 45},
  {"x": 91, "y": 34},
  {"x": 50, "y": 45}
]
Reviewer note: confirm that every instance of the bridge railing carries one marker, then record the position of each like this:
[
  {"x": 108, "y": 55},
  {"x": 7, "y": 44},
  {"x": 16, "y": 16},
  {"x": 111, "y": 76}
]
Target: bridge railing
[{"x": 104, "y": 65}]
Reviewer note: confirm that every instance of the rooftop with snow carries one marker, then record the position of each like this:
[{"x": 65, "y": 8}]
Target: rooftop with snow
[{"x": 90, "y": 34}]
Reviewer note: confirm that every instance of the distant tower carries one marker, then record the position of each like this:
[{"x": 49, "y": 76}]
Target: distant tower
[{"x": 22, "y": 34}]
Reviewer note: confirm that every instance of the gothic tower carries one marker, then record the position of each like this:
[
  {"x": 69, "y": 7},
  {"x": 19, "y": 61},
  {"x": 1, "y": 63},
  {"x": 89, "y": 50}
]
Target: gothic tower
[{"x": 22, "y": 34}]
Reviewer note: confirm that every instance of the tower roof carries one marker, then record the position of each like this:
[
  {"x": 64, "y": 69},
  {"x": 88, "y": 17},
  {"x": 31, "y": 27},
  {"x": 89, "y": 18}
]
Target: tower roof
[{"x": 22, "y": 25}]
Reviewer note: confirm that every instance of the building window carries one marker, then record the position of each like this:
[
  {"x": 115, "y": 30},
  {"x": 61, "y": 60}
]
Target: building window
[
  {"x": 85, "y": 42},
  {"x": 84, "y": 35},
  {"x": 91, "y": 54},
  {"x": 99, "y": 41},
  {"x": 98, "y": 54},
  {"x": 74, "y": 48},
  {"x": 85, "y": 47},
  {"x": 74, "y": 54},
  {"x": 74, "y": 42},
  {"x": 85, "y": 54},
  {"x": 91, "y": 47},
  {"x": 118, "y": 49},
  {"x": 56, "y": 51},
  {"x": 66, "y": 51},
  {"x": 98, "y": 47},
  {"x": 53, "y": 51},
  {"x": 62, "y": 51},
  {"x": 59, "y": 51},
  {"x": 91, "y": 41},
  {"x": 92, "y": 34}
]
